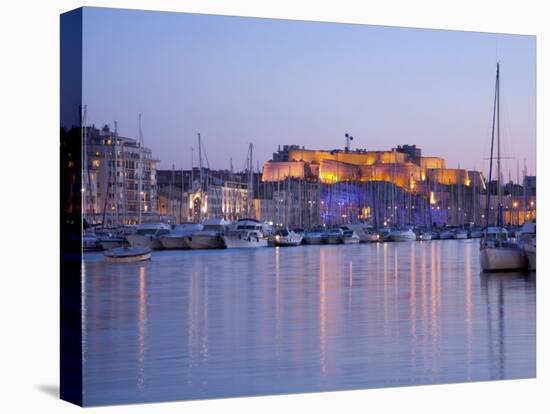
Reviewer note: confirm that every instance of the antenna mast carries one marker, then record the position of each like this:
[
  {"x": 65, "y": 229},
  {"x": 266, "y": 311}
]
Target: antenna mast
[
  {"x": 116, "y": 173},
  {"x": 250, "y": 177},
  {"x": 200, "y": 159},
  {"x": 348, "y": 139}
]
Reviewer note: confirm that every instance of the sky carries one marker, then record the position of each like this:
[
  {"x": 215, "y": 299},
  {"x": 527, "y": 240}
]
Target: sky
[{"x": 243, "y": 80}]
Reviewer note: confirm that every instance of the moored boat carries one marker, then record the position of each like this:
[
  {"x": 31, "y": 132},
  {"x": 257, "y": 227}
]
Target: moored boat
[
  {"x": 127, "y": 254},
  {"x": 350, "y": 237},
  {"x": 314, "y": 236},
  {"x": 90, "y": 242},
  {"x": 285, "y": 237},
  {"x": 435, "y": 234},
  {"x": 112, "y": 242},
  {"x": 363, "y": 230},
  {"x": 497, "y": 252},
  {"x": 384, "y": 233},
  {"x": 425, "y": 236},
  {"x": 476, "y": 233},
  {"x": 527, "y": 239},
  {"x": 530, "y": 250},
  {"x": 148, "y": 235},
  {"x": 176, "y": 238},
  {"x": 246, "y": 233},
  {"x": 333, "y": 236},
  {"x": 210, "y": 237},
  {"x": 460, "y": 234},
  {"x": 399, "y": 235}
]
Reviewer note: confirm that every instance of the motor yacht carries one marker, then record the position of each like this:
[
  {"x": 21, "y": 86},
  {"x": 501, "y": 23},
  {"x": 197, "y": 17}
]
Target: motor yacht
[
  {"x": 246, "y": 233},
  {"x": 350, "y": 237},
  {"x": 402, "y": 235},
  {"x": 424, "y": 236},
  {"x": 285, "y": 237},
  {"x": 210, "y": 237},
  {"x": 314, "y": 236},
  {"x": 148, "y": 235},
  {"x": 333, "y": 236},
  {"x": 460, "y": 234}
]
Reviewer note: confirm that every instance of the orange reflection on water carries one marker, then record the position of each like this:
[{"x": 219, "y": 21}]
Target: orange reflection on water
[
  {"x": 142, "y": 328},
  {"x": 468, "y": 298},
  {"x": 277, "y": 299},
  {"x": 412, "y": 297}
]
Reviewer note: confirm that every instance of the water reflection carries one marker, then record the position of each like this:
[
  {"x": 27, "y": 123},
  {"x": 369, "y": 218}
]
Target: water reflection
[
  {"x": 494, "y": 287},
  {"x": 227, "y": 323},
  {"x": 322, "y": 314},
  {"x": 142, "y": 328}
]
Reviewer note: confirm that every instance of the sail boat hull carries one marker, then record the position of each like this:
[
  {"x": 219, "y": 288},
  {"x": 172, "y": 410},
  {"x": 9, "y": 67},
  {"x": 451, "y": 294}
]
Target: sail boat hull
[
  {"x": 502, "y": 258},
  {"x": 531, "y": 253},
  {"x": 140, "y": 240}
]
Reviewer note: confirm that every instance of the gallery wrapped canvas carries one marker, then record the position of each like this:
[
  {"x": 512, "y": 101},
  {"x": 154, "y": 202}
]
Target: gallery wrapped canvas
[{"x": 263, "y": 206}]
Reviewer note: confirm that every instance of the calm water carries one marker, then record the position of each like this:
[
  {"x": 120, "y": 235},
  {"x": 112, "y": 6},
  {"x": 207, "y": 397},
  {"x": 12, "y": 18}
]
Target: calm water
[{"x": 222, "y": 323}]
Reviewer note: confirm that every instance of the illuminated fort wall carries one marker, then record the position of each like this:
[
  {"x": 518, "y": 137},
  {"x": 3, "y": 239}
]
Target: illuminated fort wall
[
  {"x": 349, "y": 157},
  {"x": 280, "y": 170},
  {"x": 403, "y": 175},
  {"x": 432, "y": 162}
]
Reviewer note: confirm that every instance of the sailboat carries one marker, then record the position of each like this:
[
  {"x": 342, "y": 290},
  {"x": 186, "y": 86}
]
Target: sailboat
[{"x": 496, "y": 251}]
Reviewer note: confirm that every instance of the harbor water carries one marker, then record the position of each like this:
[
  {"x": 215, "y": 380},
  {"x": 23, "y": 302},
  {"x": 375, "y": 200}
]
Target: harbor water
[{"x": 197, "y": 324}]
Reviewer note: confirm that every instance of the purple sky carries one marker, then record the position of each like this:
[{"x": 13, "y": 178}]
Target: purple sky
[{"x": 241, "y": 80}]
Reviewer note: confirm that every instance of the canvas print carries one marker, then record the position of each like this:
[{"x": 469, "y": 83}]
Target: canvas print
[{"x": 263, "y": 206}]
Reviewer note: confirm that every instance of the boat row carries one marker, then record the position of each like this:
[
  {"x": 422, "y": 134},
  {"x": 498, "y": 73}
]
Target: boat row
[
  {"x": 498, "y": 250},
  {"x": 220, "y": 233}
]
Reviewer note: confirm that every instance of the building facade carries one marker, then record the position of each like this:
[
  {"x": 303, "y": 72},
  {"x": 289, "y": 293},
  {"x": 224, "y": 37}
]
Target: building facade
[{"x": 119, "y": 179}]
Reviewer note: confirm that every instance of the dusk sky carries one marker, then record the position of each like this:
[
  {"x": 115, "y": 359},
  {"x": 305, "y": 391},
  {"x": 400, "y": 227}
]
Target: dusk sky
[{"x": 240, "y": 80}]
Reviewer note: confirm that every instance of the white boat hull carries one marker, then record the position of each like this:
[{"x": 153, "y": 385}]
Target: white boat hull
[
  {"x": 313, "y": 240},
  {"x": 90, "y": 243},
  {"x": 127, "y": 254},
  {"x": 402, "y": 237},
  {"x": 460, "y": 236},
  {"x": 425, "y": 237},
  {"x": 139, "y": 240},
  {"x": 531, "y": 254},
  {"x": 288, "y": 243},
  {"x": 369, "y": 238},
  {"x": 174, "y": 242},
  {"x": 350, "y": 240},
  {"x": 332, "y": 239},
  {"x": 502, "y": 258},
  {"x": 205, "y": 242},
  {"x": 236, "y": 242}
]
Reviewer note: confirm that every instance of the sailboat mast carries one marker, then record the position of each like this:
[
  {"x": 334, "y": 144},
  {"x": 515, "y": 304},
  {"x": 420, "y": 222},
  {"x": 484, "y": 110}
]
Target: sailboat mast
[
  {"x": 200, "y": 159},
  {"x": 498, "y": 139},
  {"x": 492, "y": 146},
  {"x": 250, "y": 179}
]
